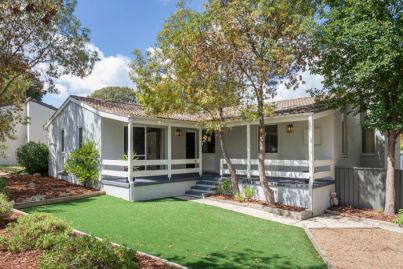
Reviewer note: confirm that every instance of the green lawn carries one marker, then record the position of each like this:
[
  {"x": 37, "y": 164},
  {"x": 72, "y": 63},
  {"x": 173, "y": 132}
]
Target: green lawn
[{"x": 191, "y": 234}]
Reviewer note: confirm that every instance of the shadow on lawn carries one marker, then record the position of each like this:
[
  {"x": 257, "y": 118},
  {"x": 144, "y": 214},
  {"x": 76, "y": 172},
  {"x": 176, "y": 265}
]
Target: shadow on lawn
[
  {"x": 53, "y": 208},
  {"x": 247, "y": 258}
]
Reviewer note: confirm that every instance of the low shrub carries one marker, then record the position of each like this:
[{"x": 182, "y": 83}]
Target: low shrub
[
  {"x": 3, "y": 186},
  {"x": 6, "y": 207},
  {"x": 34, "y": 157},
  {"x": 87, "y": 252},
  {"x": 239, "y": 197},
  {"x": 36, "y": 231},
  {"x": 248, "y": 193},
  {"x": 84, "y": 164},
  {"x": 399, "y": 219},
  {"x": 225, "y": 187}
]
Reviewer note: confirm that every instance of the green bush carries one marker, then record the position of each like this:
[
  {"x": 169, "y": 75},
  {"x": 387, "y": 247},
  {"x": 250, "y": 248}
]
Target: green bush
[
  {"x": 239, "y": 197},
  {"x": 399, "y": 219},
  {"x": 84, "y": 164},
  {"x": 6, "y": 207},
  {"x": 34, "y": 157},
  {"x": 87, "y": 252},
  {"x": 248, "y": 193},
  {"x": 36, "y": 231},
  {"x": 3, "y": 186},
  {"x": 225, "y": 187}
]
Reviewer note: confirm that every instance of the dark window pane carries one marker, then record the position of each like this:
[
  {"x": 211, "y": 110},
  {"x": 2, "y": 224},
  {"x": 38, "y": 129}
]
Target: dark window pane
[
  {"x": 62, "y": 140},
  {"x": 271, "y": 139},
  {"x": 80, "y": 137},
  {"x": 368, "y": 141},
  {"x": 208, "y": 142},
  {"x": 138, "y": 141}
]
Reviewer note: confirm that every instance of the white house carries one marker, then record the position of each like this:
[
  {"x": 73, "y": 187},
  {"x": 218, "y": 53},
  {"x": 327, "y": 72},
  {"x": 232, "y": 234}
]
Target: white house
[
  {"x": 37, "y": 114},
  {"x": 304, "y": 142}
]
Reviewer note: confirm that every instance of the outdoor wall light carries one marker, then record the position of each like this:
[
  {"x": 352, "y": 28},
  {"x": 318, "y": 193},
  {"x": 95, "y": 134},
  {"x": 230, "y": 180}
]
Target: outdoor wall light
[
  {"x": 290, "y": 128},
  {"x": 178, "y": 132}
]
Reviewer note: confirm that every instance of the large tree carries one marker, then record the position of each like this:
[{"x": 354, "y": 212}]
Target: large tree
[
  {"x": 268, "y": 43},
  {"x": 189, "y": 72},
  {"x": 39, "y": 40},
  {"x": 358, "y": 50},
  {"x": 115, "y": 94}
]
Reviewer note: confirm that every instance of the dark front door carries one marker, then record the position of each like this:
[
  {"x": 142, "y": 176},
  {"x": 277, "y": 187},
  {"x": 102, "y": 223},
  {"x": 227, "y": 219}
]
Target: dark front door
[{"x": 190, "y": 148}]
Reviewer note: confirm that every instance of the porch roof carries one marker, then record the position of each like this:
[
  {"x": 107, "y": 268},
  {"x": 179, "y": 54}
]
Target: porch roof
[{"x": 282, "y": 107}]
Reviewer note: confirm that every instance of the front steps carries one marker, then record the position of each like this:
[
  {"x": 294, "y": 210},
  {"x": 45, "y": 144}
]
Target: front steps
[{"x": 207, "y": 185}]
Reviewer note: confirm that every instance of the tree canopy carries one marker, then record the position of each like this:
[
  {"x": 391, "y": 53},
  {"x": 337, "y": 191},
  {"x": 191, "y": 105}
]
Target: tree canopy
[
  {"x": 115, "y": 94},
  {"x": 357, "y": 48},
  {"x": 39, "y": 41}
]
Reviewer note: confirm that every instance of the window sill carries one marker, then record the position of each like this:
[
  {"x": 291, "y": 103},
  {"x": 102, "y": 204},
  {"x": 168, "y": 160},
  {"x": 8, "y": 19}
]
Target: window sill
[{"x": 344, "y": 156}]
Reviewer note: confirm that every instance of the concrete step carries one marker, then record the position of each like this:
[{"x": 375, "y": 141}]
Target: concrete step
[
  {"x": 208, "y": 189},
  {"x": 197, "y": 194},
  {"x": 207, "y": 182}
]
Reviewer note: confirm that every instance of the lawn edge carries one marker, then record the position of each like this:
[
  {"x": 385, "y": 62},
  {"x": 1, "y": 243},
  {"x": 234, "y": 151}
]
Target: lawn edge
[
  {"x": 169, "y": 263},
  {"x": 317, "y": 247}
]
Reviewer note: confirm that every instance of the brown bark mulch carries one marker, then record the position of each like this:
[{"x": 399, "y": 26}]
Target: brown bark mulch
[
  {"x": 258, "y": 202},
  {"x": 361, "y": 248},
  {"x": 30, "y": 259},
  {"x": 348, "y": 211},
  {"x": 23, "y": 187}
]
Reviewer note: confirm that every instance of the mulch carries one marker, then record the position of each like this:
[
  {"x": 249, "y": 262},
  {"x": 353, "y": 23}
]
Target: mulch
[
  {"x": 348, "y": 211},
  {"x": 30, "y": 259},
  {"x": 23, "y": 187},
  {"x": 359, "y": 248},
  {"x": 258, "y": 202}
]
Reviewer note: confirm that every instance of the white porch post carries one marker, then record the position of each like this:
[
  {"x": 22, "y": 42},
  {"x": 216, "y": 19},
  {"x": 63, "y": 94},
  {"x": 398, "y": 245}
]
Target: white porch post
[
  {"x": 311, "y": 150},
  {"x": 248, "y": 150},
  {"x": 169, "y": 151},
  {"x": 200, "y": 152},
  {"x": 130, "y": 157}
]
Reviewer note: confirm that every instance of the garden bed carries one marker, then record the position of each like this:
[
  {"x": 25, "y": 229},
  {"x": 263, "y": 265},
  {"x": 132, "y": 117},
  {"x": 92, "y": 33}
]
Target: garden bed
[
  {"x": 23, "y": 187},
  {"x": 30, "y": 259},
  {"x": 294, "y": 212},
  {"x": 360, "y": 248},
  {"x": 348, "y": 211}
]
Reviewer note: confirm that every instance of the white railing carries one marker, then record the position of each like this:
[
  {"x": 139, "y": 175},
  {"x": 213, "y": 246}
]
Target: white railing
[
  {"x": 303, "y": 174},
  {"x": 148, "y": 171}
]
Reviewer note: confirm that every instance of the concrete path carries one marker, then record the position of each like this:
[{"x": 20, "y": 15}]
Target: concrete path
[{"x": 322, "y": 221}]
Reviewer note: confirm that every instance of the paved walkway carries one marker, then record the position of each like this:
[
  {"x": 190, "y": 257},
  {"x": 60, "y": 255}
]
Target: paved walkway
[{"x": 322, "y": 221}]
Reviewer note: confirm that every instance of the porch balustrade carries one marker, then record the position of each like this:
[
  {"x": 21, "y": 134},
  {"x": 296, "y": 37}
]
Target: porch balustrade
[
  {"x": 298, "y": 169},
  {"x": 151, "y": 167}
]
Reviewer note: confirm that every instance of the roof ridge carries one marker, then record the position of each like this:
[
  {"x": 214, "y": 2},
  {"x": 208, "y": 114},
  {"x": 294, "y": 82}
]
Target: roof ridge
[{"x": 77, "y": 97}]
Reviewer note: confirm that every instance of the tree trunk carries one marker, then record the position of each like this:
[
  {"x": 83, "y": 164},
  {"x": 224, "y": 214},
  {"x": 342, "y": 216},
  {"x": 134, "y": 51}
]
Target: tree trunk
[
  {"x": 390, "y": 174},
  {"x": 268, "y": 192},
  {"x": 234, "y": 178}
]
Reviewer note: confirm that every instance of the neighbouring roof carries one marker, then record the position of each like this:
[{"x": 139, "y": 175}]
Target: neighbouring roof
[
  {"x": 283, "y": 107},
  {"x": 41, "y": 103}
]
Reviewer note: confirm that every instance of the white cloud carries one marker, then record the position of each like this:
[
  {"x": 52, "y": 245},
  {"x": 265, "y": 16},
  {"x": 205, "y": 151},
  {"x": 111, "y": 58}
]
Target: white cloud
[
  {"x": 108, "y": 71},
  {"x": 311, "y": 81}
]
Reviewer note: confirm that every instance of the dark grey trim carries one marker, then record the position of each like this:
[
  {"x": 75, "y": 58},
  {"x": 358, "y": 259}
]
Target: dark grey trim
[{"x": 290, "y": 183}]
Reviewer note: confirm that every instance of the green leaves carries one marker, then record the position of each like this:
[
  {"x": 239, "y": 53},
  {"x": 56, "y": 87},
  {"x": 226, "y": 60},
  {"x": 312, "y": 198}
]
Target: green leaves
[
  {"x": 357, "y": 48},
  {"x": 84, "y": 164},
  {"x": 115, "y": 94}
]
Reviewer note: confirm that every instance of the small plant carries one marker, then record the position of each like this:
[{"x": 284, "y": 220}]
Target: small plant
[
  {"x": 399, "y": 219},
  {"x": 34, "y": 157},
  {"x": 3, "y": 186},
  {"x": 87, "y": 252},
  {"x": 6, "y": 207},
  {"x": 36, "y": 231},
  {"x": 225, "y": 187},
  {"x": 84, "y": 163},
  {"x": 239, "y": 197},
  {"x": 248, "y": 193}
]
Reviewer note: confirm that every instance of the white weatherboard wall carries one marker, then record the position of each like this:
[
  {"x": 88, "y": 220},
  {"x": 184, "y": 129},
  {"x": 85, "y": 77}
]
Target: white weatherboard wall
[
  {"x": 37, "y": 115},
  {"x": 70, "y": 119},
  {"x": 291, "y": 146}
]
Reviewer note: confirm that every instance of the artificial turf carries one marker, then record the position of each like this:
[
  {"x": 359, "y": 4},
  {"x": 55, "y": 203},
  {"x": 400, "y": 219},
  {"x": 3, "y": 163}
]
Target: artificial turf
[{"x": 191, "y": 234}]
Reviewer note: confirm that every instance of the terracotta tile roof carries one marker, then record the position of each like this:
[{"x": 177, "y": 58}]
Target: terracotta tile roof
[{"x": 283, "y": 107}]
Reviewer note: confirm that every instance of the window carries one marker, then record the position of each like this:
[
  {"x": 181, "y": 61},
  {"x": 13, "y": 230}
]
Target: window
[
  {"x": 80, "y": 137},
  {"x": 368, "y": 141},
  {"x": 343, "y": 137},
  {"x": 62, "y": 141},
  {"x": 271, "y": 139},
  {"x": 139, "y": 147},
  {"x": 208, "y": 142}
]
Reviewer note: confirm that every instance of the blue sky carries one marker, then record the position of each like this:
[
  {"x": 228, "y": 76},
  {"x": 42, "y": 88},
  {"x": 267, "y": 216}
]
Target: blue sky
[{"x": 117, "y": 28}]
